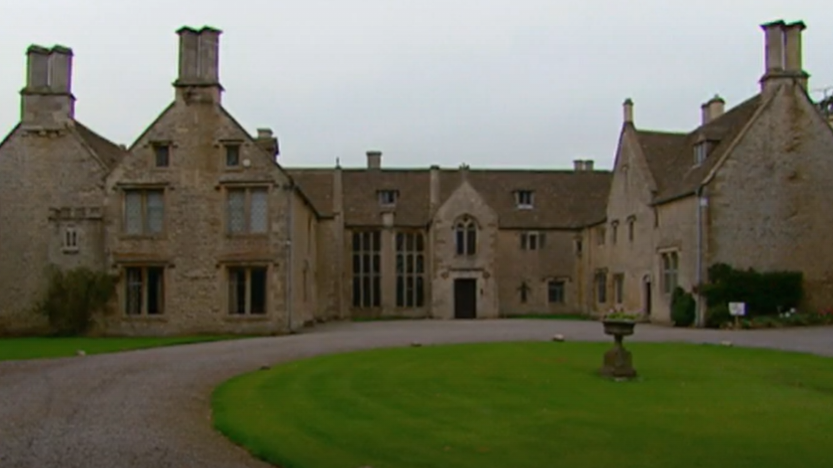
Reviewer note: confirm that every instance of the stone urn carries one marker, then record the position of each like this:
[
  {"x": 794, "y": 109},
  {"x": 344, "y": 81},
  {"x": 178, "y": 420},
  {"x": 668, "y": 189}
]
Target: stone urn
[{"x": 617, "y": 361}]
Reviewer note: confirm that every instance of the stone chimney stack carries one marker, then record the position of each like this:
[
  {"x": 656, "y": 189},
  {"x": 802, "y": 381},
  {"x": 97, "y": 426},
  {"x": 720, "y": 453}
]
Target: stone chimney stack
[
  {"x": 47, "y": 101},
  {"x": 434, "y": 195},
  {"x": 374, "y": 159},
  {"x": 199, "y": 65},
  {"x": 267, "y": 141},
  {"x": 711, "y": 110},
  {"x": 627, "y": 108},
  {"x": 578, "y": 165},
  {"x": 783, "y": 55},
  {"x": 588, "y": 165},
  {"x": 793, "y": 53}
]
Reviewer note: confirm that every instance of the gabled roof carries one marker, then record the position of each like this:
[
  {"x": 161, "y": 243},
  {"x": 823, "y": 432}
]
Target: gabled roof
[
  {"x": 317, "y": 185},
  {"x": 108, "y": 152},
  {"x": 563, "y": 199},
  {"x": 670, "y": 156}
]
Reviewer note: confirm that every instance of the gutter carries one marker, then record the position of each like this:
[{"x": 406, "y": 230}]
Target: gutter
[
  {"x": 700, "y": 319},
  {"x": 290, "y": 189}
]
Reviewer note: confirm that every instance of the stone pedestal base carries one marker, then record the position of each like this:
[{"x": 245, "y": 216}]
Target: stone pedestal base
[{"x": 617, "y": 364}]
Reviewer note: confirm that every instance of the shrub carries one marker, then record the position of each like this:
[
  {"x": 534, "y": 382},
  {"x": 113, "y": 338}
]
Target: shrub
[
  {"x": 683, "y": 308},
  {"x": 766, "y": 293},
  {"x": 718, "y": 316},
  {"x": 73, "y": 297}
]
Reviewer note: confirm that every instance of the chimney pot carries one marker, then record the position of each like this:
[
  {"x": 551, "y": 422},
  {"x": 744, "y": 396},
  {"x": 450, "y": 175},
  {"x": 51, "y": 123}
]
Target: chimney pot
[
  {"x": 627, "y": 108},
  {"x": 60, "y": 69},
  {"x": 774, "y": 45},
  {"x": 37, "y": 76},
  {"x": 588, "y": 165},
  {"x": 578, "y": 165},
  {"x": 267, "y": 141},
  {"x": 374, "y": 159}
]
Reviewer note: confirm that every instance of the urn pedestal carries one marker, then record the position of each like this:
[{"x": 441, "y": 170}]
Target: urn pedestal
[{"x": 618, "y": 363}]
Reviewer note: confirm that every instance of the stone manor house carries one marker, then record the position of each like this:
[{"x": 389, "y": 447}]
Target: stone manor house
[{"x": 208, "y": 232}]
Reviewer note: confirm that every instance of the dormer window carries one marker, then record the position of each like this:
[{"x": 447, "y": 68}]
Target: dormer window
[
  {"x": 524, "y": 199},
  {"x": 388, "y": 197},
  {"x": 701, "y": 150}
]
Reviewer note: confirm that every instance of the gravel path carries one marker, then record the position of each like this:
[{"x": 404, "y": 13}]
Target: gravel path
[{"x": 151, "y": 408}]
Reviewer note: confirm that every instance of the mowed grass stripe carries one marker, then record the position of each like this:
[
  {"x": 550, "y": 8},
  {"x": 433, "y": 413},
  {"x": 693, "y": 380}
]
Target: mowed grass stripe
[{"x": 532, "y": 405}]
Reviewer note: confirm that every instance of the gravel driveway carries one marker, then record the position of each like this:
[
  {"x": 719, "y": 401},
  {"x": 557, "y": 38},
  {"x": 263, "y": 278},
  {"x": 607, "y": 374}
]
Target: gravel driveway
[{"x": 150, "y": 408}]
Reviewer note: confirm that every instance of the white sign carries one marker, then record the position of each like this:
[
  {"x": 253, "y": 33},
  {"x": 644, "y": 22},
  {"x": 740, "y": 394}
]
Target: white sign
[{"x": 737, "y": 309}]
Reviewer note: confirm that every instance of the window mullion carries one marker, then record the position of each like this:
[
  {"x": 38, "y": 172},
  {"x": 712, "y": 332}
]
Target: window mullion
[{"x": 143, "y": 291}]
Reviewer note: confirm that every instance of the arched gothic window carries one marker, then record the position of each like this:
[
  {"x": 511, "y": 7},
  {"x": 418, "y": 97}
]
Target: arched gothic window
[{"x": 466, "y": 236}]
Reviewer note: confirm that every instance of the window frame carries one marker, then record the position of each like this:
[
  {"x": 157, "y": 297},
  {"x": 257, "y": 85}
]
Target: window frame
[
  {"x": 232, "y": 290},
  {"x": 246, "y": 230},
  {"x": 410, "y": 269},
  {"x": 556, "y": 291},
  {"x": 144, "y": 213},
  {"x": 524, "y": 199},
  {"x": 69, "y": 239},
  {"x": 366, "y": 269},
  {"x": 465, "y": 237},
  {"x": 158, "y": 146},
  {"x": 701, "y": 152},
  {"x": 533, "y": 240},
  {"x": 619, "y": 288},
  {"x": 145, "y": 289},
  {"x": 387, "y": 198},
  {"x": 228, "y": 152},
  {"x": 670, "y": 271},
  {"x": 600, "y": 286}
]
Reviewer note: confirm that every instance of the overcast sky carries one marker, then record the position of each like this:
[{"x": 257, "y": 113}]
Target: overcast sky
[{"x": 492, "y": 83}]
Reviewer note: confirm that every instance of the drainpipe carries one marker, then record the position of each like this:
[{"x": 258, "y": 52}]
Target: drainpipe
[
  {"x": 290, "y": 189},
  {"x": 701, "y": 204}
]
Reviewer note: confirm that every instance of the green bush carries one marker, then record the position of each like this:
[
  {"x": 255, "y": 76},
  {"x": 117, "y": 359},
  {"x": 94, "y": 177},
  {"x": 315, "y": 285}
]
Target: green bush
[
  {"x": 767, "y": 293},
  {"x": 718, "y": 316},
  {"x": 683, "y": 308},
  {"x": 73, "y": 297}
]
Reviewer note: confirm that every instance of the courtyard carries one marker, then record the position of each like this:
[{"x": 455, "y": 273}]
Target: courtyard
[{"x": 152, "y": 407}]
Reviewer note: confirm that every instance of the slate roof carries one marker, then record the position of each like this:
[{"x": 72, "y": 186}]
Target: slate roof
[
  {"x": 563, "y": 199},
  {"x": 109, "y": 153},
  {"x": 670, "y": 156}
]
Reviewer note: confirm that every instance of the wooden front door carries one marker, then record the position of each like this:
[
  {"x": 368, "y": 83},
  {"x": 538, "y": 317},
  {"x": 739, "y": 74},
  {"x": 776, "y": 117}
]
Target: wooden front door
[
  {"x": 648, "y": 304},
  {"x": 465, "y": 298}
]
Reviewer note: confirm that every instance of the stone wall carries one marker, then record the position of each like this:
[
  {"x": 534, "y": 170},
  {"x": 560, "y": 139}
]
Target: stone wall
[
  {"x": 770, "y": 203},
  {"x": 49, "y": 182},
  {"x": 448, "y": 266},
  {"x": 195, "y": 247},
  {"x": 516, "y": 267}
]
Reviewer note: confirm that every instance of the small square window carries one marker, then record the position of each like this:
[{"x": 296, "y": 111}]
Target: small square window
[
  {"x": 532, "y": 241},
  {"x": 163, "y": 154},
  {"x": 69, "y": 243},
  {"x": 232, "y": 155},
  {"x": 700, "y": 153},
  {"x": 388, "y": 197},
  {"x": 555, "y": 292},
  {"x": 524, "y": 199}
]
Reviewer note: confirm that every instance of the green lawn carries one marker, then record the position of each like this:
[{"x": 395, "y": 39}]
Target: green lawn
[
  {"x": 30, "y": 348},
  {"x": 534, "y": 405}
]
